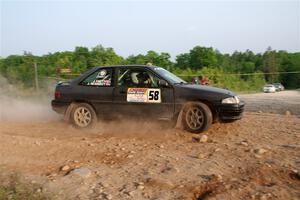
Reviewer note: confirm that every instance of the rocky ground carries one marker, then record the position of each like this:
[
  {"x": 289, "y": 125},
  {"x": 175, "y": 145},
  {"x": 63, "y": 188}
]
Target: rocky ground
[{"x": 257, "y": 157}]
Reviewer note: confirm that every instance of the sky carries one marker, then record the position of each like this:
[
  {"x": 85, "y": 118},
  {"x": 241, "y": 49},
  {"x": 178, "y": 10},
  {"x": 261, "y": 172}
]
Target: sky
[{"x": 133, "y": 27}]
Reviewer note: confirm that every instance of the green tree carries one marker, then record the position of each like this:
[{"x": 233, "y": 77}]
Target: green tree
[
  {"x": 80, "y": 58},
  {"x": 158, "y": 59},
  {"x": 183, "y": 60},
  {"x": 222, "y": 69},
  {"x": 270, "y": 65},
  {"x": 202, "y": 57}
]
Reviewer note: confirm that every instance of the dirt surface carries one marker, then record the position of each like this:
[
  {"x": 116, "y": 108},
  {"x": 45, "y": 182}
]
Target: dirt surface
[
  {"x": 257, "y": 157},
  {"x": 278, "y": 102}
]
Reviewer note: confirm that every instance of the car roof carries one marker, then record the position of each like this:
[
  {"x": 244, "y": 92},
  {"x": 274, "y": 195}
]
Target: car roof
[
  {"x": 129, "y": 66},
  {"x": 92, "y": 70}
]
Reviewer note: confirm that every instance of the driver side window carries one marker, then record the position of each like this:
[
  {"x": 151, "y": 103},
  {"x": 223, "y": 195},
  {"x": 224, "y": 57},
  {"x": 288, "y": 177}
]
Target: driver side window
[{"x": 137, "y": 78}]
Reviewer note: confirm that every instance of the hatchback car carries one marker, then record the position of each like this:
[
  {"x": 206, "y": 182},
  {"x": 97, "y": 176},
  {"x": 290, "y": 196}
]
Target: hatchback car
[{"x": 143, "y": 92}]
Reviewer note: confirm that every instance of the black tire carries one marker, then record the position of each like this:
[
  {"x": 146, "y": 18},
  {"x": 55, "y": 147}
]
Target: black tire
[
  {"x": 83, "y": 116},
  {"x": 196, "y": 117}
]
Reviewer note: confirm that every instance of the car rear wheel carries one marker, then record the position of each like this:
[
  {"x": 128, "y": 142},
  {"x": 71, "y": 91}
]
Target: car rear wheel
[
  {"x": 196, "y": 117},
  {"x": 83, "y": 116}
]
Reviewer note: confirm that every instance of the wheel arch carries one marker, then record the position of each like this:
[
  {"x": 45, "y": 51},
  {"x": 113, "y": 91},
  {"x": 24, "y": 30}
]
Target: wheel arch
[{"x": 211, "y": 107}]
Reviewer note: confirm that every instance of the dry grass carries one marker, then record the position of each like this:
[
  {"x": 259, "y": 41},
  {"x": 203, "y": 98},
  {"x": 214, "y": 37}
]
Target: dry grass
[{"x": 13, "y": 188}]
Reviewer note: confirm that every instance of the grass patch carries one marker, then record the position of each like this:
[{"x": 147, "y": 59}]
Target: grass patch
[{"x": 13, "y": 188}]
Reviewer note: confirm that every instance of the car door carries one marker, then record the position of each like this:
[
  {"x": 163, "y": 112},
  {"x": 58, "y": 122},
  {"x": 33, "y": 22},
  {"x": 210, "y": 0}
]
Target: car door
[
  {"x": 97, "y": 88},
  {"x": 136, "y": 96}
]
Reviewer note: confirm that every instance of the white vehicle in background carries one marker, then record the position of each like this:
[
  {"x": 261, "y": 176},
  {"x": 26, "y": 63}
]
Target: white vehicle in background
[
  {"x": 278, "y": 86},
  {"x": 269, "y": 88}
]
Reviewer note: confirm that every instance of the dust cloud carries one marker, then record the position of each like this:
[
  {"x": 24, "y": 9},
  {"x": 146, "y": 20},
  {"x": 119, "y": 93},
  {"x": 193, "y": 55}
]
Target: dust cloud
[
  {"x": 17, "y": 104},
  {"x": 26, "y": 105}
]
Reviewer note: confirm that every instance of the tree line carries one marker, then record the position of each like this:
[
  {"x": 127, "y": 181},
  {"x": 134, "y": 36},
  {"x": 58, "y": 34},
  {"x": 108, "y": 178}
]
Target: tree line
[{"x": 237, "y": 71}]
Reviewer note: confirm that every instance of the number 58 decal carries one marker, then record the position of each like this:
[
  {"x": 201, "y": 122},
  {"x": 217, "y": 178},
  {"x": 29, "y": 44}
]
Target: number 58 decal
[{"x": 154, "y": 96}]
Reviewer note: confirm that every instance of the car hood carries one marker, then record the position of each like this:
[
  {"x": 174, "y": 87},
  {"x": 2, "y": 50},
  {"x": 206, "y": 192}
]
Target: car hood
[{"x": 207, "y": 89}]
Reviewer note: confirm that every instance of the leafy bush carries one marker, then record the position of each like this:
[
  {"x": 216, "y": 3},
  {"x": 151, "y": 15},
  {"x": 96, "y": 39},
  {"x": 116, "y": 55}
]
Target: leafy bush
[{"x": 219, "y": 78}]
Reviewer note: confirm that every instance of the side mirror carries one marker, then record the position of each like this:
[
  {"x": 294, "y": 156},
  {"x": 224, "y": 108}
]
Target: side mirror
[{"x": 163, "y": 83}]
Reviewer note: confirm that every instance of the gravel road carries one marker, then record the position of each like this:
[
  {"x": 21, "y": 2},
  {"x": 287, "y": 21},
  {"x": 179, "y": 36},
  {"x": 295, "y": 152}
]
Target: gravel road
[
  {"x": 257, "y": 157},
  {"x": 279, "y": 102}
]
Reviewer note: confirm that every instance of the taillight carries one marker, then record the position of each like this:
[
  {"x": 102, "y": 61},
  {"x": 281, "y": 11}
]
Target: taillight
[{"x": 57, "y": 94}]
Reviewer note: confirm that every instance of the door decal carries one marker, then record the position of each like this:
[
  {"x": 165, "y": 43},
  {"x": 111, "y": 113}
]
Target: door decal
[
  {"x": 143, "y": 95},
  {"x": 154, "y": 96}
]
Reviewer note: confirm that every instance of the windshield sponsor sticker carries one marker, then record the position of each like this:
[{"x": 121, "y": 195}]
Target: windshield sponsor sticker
[{"x": 143, "y": 95}]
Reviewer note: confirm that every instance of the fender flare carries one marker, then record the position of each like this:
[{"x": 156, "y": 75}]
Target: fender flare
[{"x": 178, "y": 121}]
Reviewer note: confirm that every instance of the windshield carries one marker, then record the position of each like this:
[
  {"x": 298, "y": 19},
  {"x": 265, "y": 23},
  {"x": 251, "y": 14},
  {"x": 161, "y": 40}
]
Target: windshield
[
  {"x": 269, "y": 85},
  {"x": 172, "y": 78}
]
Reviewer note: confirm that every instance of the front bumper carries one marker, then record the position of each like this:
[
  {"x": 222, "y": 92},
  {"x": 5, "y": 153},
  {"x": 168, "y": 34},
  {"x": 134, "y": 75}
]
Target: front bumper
[
  {"x": 231, "y": 111},
  {"x": 269, "y": 90},
  {"x": 59, "y": 106}
]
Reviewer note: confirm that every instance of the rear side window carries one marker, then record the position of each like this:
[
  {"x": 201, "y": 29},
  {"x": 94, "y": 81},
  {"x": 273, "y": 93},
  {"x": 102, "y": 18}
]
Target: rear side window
[{"x": 100, "y": 78}]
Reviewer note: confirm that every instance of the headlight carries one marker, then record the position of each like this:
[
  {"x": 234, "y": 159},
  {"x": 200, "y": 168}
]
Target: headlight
[{"x": 231, "y": 100}]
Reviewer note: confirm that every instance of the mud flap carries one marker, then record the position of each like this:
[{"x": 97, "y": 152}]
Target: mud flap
[
  {"x": 68, "y": 112},
  {"x": 178, "y": 122}
]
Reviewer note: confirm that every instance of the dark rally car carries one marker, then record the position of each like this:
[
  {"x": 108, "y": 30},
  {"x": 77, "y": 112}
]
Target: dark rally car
[{"x": 145, "y": 92}]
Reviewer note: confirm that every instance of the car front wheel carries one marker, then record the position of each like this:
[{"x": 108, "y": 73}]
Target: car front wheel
[
  {"x": 83, "y": 116},
  {"x": 196, "y": 117}
]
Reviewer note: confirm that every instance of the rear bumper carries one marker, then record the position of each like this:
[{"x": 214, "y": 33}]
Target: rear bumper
[
  {"x": 59, "y": 106},
  {"x": 231, "y": 111}
]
